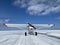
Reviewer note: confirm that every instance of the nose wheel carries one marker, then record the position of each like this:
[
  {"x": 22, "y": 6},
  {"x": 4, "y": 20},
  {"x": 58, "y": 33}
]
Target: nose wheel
[{"x": 26, "y": 33}]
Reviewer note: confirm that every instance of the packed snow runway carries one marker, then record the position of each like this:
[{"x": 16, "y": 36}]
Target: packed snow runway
[{"x": 18, "y": 38}]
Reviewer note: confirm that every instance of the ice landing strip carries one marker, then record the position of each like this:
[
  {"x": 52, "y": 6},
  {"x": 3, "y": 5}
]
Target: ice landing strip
[{"x": 18, "y": 38}]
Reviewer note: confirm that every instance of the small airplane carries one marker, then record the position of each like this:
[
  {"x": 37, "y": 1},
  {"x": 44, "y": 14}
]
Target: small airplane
[{"x": 31, "y": 27}]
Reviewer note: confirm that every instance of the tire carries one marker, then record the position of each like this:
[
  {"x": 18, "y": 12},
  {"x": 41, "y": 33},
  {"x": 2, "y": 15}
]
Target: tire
[
  {"x": 25, "y": 33},
  {"x": 35, "y": 33}
]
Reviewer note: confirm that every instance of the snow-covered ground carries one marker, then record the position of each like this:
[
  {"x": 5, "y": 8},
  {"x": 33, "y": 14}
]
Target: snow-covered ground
[{"x": 17, "y": 37}]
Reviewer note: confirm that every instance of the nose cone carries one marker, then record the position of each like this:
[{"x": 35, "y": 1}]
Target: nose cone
[
  {"x": 30, "y": 27},
  {"x": 52, "y": 25}
]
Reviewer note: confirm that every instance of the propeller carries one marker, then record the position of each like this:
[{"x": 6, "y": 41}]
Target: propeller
[{"x": 31, "y": 25}]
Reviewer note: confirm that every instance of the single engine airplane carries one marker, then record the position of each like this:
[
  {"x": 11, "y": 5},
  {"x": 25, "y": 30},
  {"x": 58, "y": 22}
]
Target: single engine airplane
[{"x": 31, "y": 27}]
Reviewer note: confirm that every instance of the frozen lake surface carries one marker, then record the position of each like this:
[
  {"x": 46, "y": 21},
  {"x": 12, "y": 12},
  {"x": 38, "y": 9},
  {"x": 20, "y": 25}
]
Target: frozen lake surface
[{"x": 44, "y": 37}]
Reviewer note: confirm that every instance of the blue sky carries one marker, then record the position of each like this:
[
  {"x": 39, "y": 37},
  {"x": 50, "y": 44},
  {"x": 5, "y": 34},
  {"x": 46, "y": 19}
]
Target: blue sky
[{"x": 18, "y": 11}]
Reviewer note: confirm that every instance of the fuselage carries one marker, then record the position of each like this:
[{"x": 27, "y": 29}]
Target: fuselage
[{"x": 31, "y": 29}]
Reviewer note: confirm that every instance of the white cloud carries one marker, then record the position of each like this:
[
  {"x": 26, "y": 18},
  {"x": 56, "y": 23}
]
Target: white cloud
[
  {"x": 7, "y": 20},
  {"x": 39, "y": 7},
  {"x": 4, "y": 20},
  {"x": 58, "y": 18}
]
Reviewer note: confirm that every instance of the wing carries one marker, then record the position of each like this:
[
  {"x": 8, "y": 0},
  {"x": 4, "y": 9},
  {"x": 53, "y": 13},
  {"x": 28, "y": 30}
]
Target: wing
[
  {"x": 26, "y": 25},
  {"x": 17, "y": 25},
  {"x": 43, "y": 25}
]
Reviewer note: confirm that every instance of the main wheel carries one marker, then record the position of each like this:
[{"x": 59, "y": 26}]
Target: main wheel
[
  {"x": 36, "y": 33},
  {"x": 25, "y": 33}
]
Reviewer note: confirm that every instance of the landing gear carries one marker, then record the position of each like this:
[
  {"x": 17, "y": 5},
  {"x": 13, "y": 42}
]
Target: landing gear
[
  {"x": 31, "y": 33},
  {"x": 25, "y": 33},
  {"x": 35, "y": 33}
]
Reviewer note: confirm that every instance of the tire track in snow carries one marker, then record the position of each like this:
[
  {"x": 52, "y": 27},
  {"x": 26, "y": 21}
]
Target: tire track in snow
[
  {"x": 14, "y": 43},
  {"x": 8, "y": 40},
  {"x": 20, "y": 40},
  {"x": 47, "y": 39},
  {"x": 37, "y": 41},
  {"x": 24, "y": 40},
  {"x": 29, "y": 40}
]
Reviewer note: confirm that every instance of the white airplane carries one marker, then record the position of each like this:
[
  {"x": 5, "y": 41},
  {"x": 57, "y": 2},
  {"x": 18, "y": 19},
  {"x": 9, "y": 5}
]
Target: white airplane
[{"x": 31, "y": 27}]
